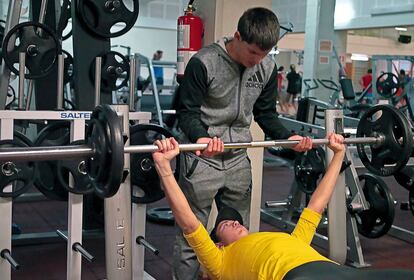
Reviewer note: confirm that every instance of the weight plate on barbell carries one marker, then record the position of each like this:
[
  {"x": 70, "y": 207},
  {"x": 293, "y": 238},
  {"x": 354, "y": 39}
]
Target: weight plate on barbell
[
  {"x": 20, "y": 174},
  {"x": 308, "y": 167},
  {"x": 395, "y": 151},
  {"x": 38, "y": 42},
  {"x": 104, "y": 134},
  {"x": 378, "y": 218},
  {"x": 145, "y": 183},
  {"x": 100, "y": 17}
]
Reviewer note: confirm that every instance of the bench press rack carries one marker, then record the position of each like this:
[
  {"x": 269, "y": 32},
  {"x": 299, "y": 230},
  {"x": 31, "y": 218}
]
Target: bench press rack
[{"x": 124, "y": 258}]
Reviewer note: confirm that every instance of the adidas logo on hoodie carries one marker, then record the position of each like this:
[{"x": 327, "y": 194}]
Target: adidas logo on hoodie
[{"x": 255, "y": 81}]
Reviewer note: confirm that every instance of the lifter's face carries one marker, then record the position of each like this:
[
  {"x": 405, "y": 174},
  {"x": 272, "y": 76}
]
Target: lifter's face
[
  {"x": 247, "y": 54},
  {"x": 229, "y": 231}
]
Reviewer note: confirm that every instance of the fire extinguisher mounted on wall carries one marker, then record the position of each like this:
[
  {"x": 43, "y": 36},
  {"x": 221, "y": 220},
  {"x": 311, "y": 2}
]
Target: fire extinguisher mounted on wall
[{"x": 190, "y": 33}]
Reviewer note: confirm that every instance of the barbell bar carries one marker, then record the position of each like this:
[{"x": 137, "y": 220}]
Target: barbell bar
[
  {"x": 385, "y": 130},
  {"x": 80, "y": 151}
]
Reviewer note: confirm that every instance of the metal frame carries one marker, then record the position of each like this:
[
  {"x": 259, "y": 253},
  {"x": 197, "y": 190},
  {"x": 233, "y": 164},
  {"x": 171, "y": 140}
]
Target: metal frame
[
  {"x": 13, "y": 16},
  {"x": 143, "y": 60},
  {"x": 75, "y": 209},
  {"x": 135, "y": 259},
  {"x": 343, "y": 243}
]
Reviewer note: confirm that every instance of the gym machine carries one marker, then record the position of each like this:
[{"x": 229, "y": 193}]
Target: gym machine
[
  {"x": 282, "y": 213},
  {"x": 144, "y": 102},
  {"x": 340, "y": 237}
]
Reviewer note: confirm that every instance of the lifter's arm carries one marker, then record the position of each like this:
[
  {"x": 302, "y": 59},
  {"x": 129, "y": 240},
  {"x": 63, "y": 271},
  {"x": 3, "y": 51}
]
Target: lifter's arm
[
  {"x": 182, "y": 212},
  {"x": 323, "y": 192}
]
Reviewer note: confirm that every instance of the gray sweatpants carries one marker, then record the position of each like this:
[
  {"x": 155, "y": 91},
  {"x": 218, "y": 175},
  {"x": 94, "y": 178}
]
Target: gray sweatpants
[{"x": 201, "y": 183}]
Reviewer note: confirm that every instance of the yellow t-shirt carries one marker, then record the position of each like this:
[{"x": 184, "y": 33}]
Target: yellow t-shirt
[{"x": 261, "y": 255}]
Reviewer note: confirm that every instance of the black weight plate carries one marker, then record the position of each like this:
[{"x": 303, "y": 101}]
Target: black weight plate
[
  {"x": 67, "y": 67},
  {"x": 22, "y": 138},
  {"x": 54, "y": 134},
  {"x": 308, "y": 167},
  {"x": 144, "y": 177},
  {"x": 411, "y": 201},
  {"x": 105, "y": 136},
  {"x": 161, "y": 215},
  {"x": 11, "y": 95},
  {"x": 393, "y": 154},
  {"x": 69, "y": 105},
  {"x": 20, "y": 174},
  {"x": 77, "y": 168},
  {"x": 96, "y": 138},
  {"x": 2, "y": 29},
  {"x": 285, "y": 153},
  {"x": 405, "y": 177},
  {"x": 65, "y": 15},
  {"x": 27, "y": 34},
  {"x": 114, "y": 71},
  {"x": 93, "y": 212},
  {"x": 387, "y": 84},
  {"x": 100, "y": 16},
  {"x": 377, "y": 220}
]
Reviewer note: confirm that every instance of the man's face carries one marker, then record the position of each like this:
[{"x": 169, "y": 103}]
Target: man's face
[
  {"x": 229, "y": 231},
  {"x": 249, "y": 55}
]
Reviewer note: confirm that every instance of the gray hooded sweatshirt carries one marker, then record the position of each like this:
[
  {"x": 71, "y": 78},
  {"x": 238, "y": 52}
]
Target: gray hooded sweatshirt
[{"x": 219, "y": 97}]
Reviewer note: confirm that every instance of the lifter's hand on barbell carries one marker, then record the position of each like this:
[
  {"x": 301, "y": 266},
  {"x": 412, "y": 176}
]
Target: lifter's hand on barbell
[
  {"x": 168, "y": 149},
  {"x": 215, "y": 146},
  {"x": 304, "y": 145},
  {"x": 336, "y": 143}
]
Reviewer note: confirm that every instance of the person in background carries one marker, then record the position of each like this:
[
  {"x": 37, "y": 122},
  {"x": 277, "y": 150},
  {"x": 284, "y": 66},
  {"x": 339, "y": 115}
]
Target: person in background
[
  {"x": 366, "y": 84},
  {"x": 158, "y": 70},
  {"x": 280, "y": 89},
  {"x": 294, "y": 86},
  {"x": 399, "y": 99}
]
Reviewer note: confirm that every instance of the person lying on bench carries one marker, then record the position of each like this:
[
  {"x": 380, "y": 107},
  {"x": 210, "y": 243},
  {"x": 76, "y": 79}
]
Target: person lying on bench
[{"x": 230, "y": 252}]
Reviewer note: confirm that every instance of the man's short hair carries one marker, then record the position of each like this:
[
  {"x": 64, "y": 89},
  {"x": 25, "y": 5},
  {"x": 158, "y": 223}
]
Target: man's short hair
[
  {"x": 369, "y": 71},
  {"x": 259, "y": 26}
]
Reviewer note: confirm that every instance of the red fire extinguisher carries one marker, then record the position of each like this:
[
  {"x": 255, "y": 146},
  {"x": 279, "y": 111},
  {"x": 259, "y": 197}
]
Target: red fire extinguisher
[{"x": 190, "y": 33}]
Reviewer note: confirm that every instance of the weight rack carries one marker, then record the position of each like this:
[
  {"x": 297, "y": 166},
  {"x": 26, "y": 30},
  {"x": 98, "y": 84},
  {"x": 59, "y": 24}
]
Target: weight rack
[{"x": 128, "y": 225}]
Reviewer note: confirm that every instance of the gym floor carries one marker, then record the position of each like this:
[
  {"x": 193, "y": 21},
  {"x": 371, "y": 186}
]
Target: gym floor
[{"x": 48, "y": 261}]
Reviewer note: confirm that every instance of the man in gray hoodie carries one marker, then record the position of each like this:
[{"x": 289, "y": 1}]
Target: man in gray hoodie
[{"x": 225, "y": 85}]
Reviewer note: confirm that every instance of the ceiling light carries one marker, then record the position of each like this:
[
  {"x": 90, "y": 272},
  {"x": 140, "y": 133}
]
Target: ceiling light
[
  {"x": 359, "y": 57},
  {"x": 401, "y": 28}
]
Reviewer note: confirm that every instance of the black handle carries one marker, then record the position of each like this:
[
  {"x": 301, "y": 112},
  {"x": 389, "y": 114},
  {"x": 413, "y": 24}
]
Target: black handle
[
  {"x": 141, "y": 240},
  {"x": 78, "y": 248},
  {"x": 332, "y": 86},
  {"x": 308, "y": 86},
  {"x": 5, "y": 254}
]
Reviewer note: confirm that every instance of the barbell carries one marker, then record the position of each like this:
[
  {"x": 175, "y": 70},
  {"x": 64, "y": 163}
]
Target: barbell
[{"x": 384, "y": 142}]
